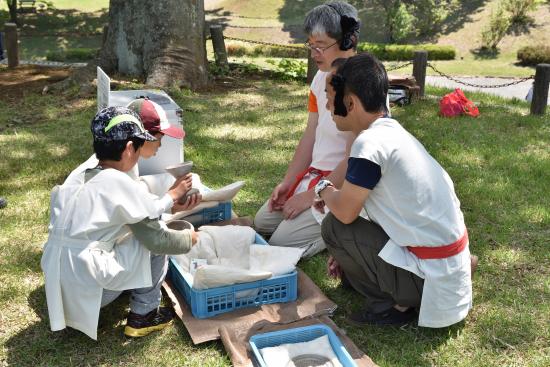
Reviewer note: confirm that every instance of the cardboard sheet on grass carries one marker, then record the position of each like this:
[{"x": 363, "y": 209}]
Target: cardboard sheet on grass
[{"x": 236, "y": 327}]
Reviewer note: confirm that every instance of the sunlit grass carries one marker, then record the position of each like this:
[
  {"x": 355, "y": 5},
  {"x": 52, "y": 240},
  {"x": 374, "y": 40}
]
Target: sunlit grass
[{"x": 498, "y": 162}]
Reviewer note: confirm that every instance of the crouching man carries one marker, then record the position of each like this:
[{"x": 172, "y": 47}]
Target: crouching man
[
  {"x": 409, "y": 247},
  {"x": 105, "y": 236}
]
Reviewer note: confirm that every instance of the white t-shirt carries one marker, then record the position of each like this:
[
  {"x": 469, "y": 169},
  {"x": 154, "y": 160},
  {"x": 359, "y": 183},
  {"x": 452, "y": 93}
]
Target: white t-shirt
[
  {"x": 412, "y": 198},
  {"x": 330, "y": 143}
]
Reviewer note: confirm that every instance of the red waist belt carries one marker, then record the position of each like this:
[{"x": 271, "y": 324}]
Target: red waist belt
[
  {"x": 320, "y": 174},
  {"x": 440, "y": 252}
]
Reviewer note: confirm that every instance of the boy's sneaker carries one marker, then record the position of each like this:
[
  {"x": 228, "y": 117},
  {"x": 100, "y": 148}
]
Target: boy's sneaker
[
  {"x": 141, "y": 325},
  {"x": 388, "y": 317}
]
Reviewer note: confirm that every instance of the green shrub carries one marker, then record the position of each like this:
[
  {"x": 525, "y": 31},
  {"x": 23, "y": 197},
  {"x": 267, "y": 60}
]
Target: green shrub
[
  {"x": 496, "y": 30},
  {"x": 234, "y": 49},
  {"x": 288, "y": 69},
  {"x": 519, "y": 8},
  {"x": 406, "y": 52},
  {"x": 293, "y": 52},
  {"x": 72, "y": 54},
  {"x": 533, "y": 55},
  {"x": 388, "y": 52}
]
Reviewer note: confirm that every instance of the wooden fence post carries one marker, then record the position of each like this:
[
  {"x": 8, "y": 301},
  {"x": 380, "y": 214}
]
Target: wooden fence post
[
  {"x": 540, "y": 90},
  {"x": 420, "y": 63},
  {"x": 12, "y": 45},
  {"x": 218, "y": 43},
  {"x": 311, "y": 67}
]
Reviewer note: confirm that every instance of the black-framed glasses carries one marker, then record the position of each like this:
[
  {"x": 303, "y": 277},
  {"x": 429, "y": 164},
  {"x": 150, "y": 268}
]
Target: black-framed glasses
[{"x": 318, "y": 49}]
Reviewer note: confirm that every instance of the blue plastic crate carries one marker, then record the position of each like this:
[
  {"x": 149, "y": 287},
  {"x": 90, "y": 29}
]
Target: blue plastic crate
[
  {"x": 300, "y": 335},
  {"x": 214, "y": 301},
  {"x": 217, "y": 213}
]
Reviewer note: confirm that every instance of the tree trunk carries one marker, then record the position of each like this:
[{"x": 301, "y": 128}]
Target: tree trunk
[
  {"x": 162, "y": 40},
  {"x": 12, "y": 6}
]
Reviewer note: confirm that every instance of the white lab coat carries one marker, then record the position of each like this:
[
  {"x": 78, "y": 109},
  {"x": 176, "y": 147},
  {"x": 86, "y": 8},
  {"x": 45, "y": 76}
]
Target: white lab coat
[{"x": 88, "y": 249}]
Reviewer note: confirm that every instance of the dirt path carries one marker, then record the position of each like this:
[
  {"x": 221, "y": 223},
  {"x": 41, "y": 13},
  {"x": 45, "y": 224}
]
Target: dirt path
[
  {"x": 25, "y": 79},
  {"x": 518, "y": 91}
]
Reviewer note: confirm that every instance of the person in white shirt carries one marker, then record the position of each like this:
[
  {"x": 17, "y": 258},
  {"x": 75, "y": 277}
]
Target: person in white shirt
[
  {"x": 333, "y": 30},
  {"x": 105, "y": 236},
  {"x": 410, "y": 250}
]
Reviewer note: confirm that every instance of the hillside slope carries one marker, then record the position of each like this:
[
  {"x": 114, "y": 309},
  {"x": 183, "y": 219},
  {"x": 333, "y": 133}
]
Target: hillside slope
[{"x": 462, "y": 30}]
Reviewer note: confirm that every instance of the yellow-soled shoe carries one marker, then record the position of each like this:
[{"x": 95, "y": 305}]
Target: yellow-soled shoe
[{"x": 142, "y": 325}]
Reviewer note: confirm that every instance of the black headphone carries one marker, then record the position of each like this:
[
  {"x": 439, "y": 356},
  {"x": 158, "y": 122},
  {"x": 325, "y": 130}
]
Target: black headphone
[{"x": 349, "y": 27}]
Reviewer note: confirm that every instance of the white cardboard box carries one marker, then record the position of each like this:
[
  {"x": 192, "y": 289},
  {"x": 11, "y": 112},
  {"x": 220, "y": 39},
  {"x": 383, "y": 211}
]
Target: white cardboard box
[{"x": 171, "y": 151}]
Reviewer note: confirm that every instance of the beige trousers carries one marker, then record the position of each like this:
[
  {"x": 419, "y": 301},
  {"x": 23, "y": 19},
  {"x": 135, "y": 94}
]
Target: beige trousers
[{"x": 302, "y": 232}]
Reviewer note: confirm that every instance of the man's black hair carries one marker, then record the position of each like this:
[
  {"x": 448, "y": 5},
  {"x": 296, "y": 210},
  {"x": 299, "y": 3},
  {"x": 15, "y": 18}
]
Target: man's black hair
[
  {"x": 112, "y": 150},
  {"x": 365, "y": 76}
]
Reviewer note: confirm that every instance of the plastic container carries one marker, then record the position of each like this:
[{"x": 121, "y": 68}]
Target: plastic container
[
  {"x": 300, "y": 335},
  {"x": 214, "y": 301},
  {"x": 210, "y": 215}
]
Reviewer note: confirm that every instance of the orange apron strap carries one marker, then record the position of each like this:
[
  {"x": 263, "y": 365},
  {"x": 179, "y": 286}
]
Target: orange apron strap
[
  {"x": 313, "y": 182},
  {"x": 440, "y": 252}
]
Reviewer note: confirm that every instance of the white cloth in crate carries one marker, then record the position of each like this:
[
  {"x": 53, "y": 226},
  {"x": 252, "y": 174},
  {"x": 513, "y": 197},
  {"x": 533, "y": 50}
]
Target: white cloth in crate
[
  {"x": 226, "y": 193},
  {"x": 282, "y": 355},
  {"x": 232, "y": 258}
]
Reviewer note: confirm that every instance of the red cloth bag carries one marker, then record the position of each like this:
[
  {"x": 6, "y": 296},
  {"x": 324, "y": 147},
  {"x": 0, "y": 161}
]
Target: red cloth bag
[{"x": 456, "y": 104}]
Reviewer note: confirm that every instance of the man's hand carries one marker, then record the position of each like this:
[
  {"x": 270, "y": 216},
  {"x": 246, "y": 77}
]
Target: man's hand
[
  {"x": 297, "y": 204},
  {"x": 278, "y": 197},
  {"x": 180, "y": 187},
  {"x": 333, "y": 268},
  {"x": 319, "y": 205},
  {"x": 191, "y": 202}
]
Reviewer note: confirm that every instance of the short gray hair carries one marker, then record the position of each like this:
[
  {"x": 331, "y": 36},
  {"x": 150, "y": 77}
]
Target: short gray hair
[{"x": 326, "y": 18}]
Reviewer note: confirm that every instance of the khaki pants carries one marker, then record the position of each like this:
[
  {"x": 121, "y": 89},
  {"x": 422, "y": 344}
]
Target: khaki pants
[
  {"x": 355, "y": 247},
  {"x": 302, "y": 232}
]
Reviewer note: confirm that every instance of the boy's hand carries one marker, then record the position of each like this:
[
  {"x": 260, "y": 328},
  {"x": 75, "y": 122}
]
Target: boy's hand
[
  {"x": 191, "y": 202},
  {"x": 181, "y": 186},
  {"x": 194, "y": 237}
]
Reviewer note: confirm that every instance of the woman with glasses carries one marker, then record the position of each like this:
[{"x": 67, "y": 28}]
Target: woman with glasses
[{"x": 287, "y": 216}]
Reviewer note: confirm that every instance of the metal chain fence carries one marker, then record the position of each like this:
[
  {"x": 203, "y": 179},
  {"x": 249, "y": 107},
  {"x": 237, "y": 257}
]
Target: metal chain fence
[
  {"x": 241, "y": 16},
  {"x": 398, "y": 66},
  {"x": 263, "y": 43},
  {"x": 518, "y": 81},
  {"x": 251, "y": 26}
]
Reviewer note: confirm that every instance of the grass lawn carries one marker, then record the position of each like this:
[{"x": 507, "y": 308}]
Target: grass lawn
[
  {"x": 78, "y": 24},
  {"x": 500, "y": 164}
]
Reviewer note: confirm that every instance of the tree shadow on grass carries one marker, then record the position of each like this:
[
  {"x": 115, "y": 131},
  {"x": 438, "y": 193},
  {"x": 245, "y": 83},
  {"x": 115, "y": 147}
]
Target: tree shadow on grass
[
  {"x": 38, "y": 345},
  {"x": 293, "y": 13},
  {"x": 483, "y": 53},
  {"x": 461, "y": 15},
  {"x": 522, "y": 26}
]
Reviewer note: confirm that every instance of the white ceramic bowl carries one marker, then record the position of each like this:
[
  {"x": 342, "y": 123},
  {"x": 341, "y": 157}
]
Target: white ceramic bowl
[{"x": 181, "y": 169}]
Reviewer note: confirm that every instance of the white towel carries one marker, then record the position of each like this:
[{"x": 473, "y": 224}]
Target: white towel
[
  {"x": 232, "y": 258},
  {"x": 210, "y": 276},
  {"x": 282, "y": 355},
  {"x": 231, "y": 244},
  {"x": 275, "y": 259}
]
